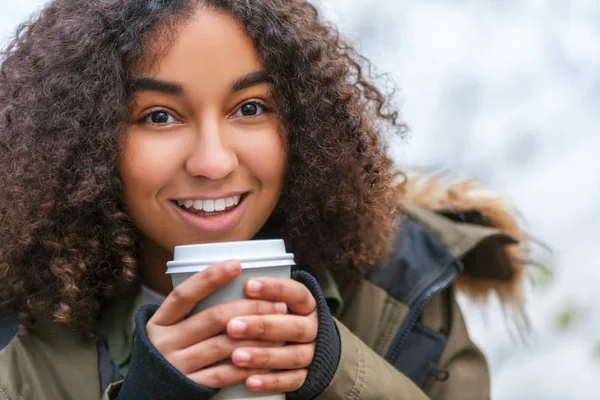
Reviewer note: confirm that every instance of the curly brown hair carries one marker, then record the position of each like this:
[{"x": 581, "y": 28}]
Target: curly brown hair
[{"x": 67, "y": 245}]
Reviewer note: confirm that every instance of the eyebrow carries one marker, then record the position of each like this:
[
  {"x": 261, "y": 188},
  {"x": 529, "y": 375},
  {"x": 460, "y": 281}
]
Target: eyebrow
[
  {"x": 172, "y": 88},
  {"x": 154, "y": 85},
  {"x": 250, "y": 80}
]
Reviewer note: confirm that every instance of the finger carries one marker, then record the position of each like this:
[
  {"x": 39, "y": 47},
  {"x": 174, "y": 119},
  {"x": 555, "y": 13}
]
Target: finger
[
  {"x": 211, "y": 351},
  {"x": 287, "y": 357},
  {"x": 182, "y": 299},
  {"x": 297, "y": 296},
  {"x": 287, "y": 381},
  {"x": 278, "y": 328},
  {"x": 213, "y": 321},
  {"x": 222, "y": 375}
]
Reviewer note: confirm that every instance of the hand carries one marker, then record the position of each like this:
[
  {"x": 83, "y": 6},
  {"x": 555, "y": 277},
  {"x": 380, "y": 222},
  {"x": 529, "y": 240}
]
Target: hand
[
  {"x": 194, "y": 344},
  {"x": 298, "y": 329}
]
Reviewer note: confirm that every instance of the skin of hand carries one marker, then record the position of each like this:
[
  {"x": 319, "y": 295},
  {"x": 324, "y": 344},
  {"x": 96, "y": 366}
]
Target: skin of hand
[
  {"x": 192, "y": 344},
  {"x": 298, "y": 329}
]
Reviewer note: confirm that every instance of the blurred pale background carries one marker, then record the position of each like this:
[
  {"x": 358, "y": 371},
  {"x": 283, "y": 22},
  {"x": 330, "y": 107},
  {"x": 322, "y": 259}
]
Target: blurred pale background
[{"x": 509, "y": 92}]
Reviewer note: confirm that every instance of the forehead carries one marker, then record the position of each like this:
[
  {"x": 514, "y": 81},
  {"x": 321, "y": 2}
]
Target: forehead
[{"x": 209, "y": 45}]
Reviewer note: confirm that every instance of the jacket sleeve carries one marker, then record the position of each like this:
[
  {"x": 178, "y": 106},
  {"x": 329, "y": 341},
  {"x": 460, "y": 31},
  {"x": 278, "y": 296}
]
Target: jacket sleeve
[
  {"x": 150, "y": 376},
  {"x": 327, "y": 347},
  {"x": 363, "y": 375}
]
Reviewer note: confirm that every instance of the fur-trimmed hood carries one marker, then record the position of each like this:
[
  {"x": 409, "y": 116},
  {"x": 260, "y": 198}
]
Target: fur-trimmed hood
[{"x": 479, "y": 227}]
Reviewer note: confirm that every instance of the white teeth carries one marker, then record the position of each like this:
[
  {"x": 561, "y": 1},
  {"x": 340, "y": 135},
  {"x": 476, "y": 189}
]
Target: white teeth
[
  {"x": 208, "y": 205},
  {"x": 219, "y": 205}
]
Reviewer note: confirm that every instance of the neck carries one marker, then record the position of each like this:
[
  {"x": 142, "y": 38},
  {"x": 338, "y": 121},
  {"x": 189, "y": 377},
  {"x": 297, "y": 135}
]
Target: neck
[{"x": 153, "y": 265}]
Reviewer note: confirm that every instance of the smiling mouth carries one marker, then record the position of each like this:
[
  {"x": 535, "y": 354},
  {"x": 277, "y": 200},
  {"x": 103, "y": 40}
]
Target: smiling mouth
[{"x": 211, "y": 207}]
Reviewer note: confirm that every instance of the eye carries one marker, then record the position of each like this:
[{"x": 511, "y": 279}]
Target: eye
[
  {"x": 159, "y": 117},
  {"x": 251, "y": 109}
]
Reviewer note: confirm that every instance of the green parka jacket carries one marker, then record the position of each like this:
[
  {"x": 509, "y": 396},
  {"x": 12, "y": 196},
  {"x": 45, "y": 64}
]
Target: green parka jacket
[{"x": 401, "y": 330}]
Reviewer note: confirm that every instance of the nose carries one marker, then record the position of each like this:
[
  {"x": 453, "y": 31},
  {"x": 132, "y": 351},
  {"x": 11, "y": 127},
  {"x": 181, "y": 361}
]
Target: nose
[{"x": 211, "y": 155}]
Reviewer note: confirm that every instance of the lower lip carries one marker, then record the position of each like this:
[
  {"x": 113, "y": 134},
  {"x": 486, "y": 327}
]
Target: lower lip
[{"x": 216, "y": 223}]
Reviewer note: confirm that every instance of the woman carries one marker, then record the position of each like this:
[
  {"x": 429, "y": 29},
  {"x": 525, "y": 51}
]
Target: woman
[{"x": 129, "y": 127}]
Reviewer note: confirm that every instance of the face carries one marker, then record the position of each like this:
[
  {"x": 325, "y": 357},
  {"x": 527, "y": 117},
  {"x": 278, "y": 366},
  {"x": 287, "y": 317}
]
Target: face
[{"x": 203, "y": 158}]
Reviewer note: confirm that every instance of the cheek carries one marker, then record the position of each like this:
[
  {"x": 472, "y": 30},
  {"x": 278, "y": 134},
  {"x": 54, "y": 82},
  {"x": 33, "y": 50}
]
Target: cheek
[
  {"x": 146, "y": 165},
  {"x": 266, "y": 160}
]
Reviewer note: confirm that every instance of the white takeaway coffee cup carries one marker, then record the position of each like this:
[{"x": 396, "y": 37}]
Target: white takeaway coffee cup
[{"x": 258, "y": 258}]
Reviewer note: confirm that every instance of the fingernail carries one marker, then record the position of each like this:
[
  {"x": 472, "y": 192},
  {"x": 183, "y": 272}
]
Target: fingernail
[
  {"x": 254, "y": 382},
  {"x": 281, "y": 308},
  {"x": 238, "y": 327},
  {"x": 254, "y": 286},
  {"x": 242, "y": 356}
]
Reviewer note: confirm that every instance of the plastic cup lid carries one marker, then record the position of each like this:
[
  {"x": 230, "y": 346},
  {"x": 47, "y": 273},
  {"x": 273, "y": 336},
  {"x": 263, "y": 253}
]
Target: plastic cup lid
[{"x": 251, "y": 254}]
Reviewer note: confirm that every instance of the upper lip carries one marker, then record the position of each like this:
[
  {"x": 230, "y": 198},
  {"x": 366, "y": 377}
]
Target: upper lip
[{"x": 210, "y": 197}]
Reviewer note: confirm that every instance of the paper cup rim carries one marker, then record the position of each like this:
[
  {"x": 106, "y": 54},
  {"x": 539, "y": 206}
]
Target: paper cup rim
[
  {"x": 185, "y": 266},
  {"x": 232, "y": 243}
]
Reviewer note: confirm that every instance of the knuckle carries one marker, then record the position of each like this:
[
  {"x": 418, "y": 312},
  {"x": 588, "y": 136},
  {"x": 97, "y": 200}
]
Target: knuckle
[
  {"x": 299, "y": 330},
  {"x": 299, "y": 358},
  {"x": 151, "y": 330},
  {"x": 235, "y": 308},
  {"x": 266, "y": 329},
  {"x": 264, "y": 358},
  {"x": 308, "y": 299},
  {"x": 180, "y": 295},
  {"x": 215, "y": 317},
  {"x": 151, "y": 323},
  {"x": 212, "y": 275},
  {"x": 259, "y": 308},
  {"x": 215, "y": 379},
  {"x": 263, "y": 328},
  {"x": 266, "y": 308},
  {"x": 276, "y": 382},
  {"x": 277, "y": 288},
  {"x": 220, "y": 347},
  {"x": 160, "y": 341},
  {"x": 242, "y": 307},
  {"x": 305, "y": 296}
]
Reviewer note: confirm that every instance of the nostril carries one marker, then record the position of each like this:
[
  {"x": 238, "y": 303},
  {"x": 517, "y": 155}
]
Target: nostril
[{"x": 212, "y": 161}]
